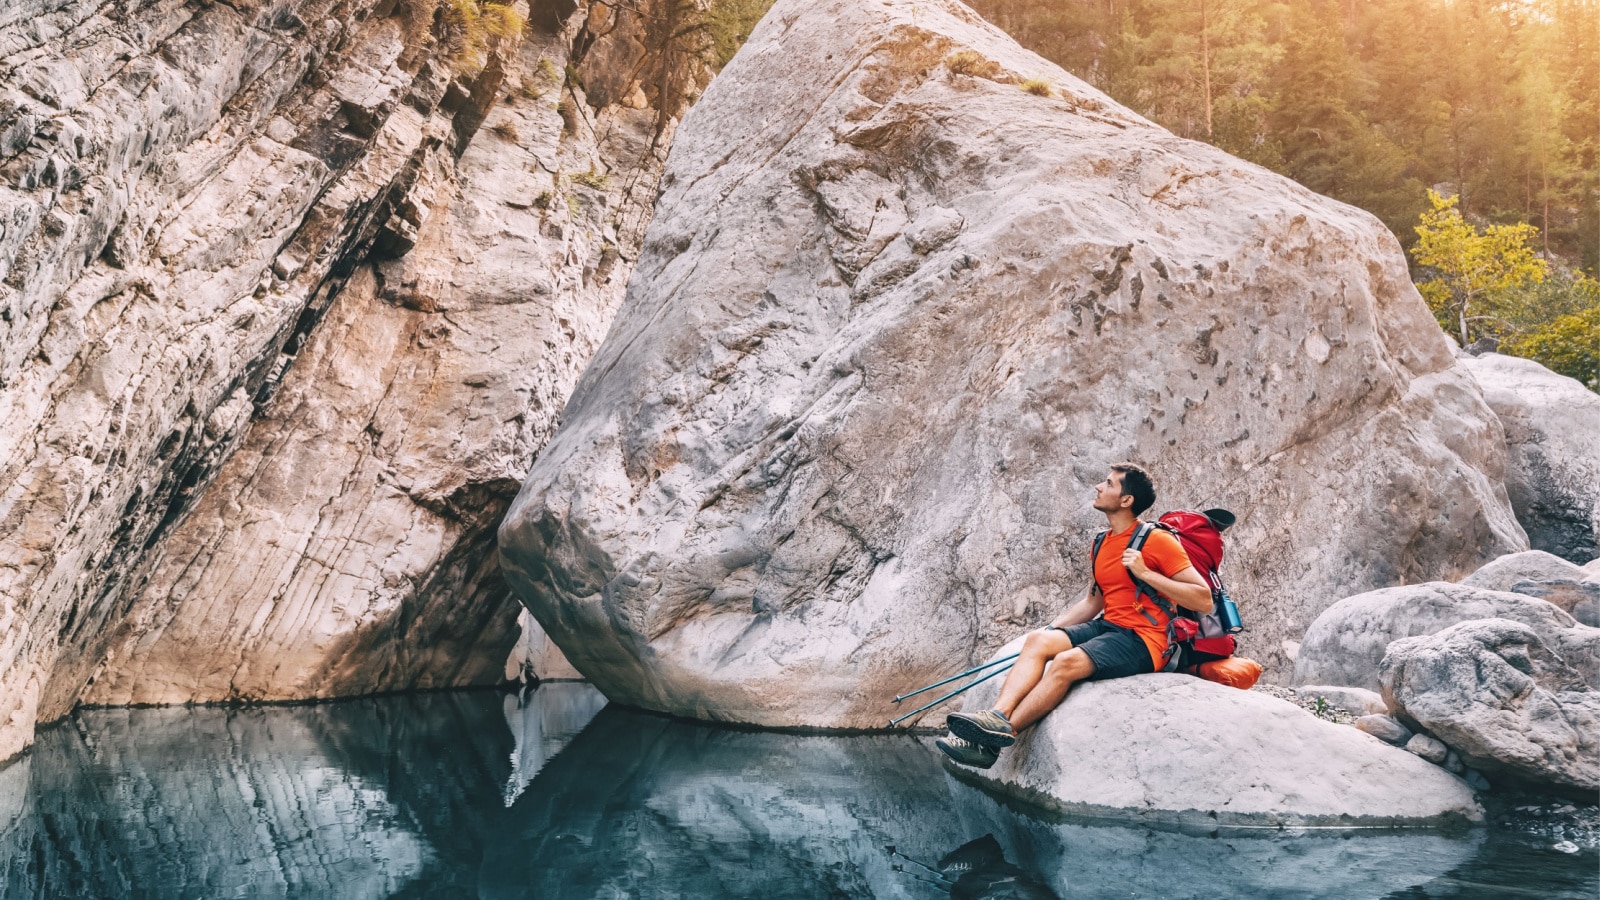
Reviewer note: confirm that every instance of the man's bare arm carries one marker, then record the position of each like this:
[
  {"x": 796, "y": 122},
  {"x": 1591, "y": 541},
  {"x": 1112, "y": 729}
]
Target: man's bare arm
[
  {"x": 1187, "y": 588},
  {"x": 1082, "y": 611}
]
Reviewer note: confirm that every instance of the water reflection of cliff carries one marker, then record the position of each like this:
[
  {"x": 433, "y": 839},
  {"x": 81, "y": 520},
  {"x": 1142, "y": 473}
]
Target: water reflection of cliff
[{"x": 366, "y": 798}]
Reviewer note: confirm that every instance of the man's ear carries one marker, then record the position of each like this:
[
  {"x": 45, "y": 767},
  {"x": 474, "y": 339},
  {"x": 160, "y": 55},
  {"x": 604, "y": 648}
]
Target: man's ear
[{"x": 1125, "y": 501}]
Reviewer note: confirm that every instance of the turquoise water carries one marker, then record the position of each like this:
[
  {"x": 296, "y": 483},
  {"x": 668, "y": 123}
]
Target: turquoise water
[{"x": 554, "y": 796}]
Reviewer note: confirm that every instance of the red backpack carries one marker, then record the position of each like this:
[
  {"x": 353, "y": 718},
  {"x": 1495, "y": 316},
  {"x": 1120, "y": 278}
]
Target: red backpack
[{"x": 1202, "y": 637}]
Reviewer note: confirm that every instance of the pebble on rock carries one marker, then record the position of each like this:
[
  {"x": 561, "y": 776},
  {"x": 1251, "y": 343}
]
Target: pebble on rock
[
  {"x": 1429, "y": 748},
  {"x": 1384, "y": 728}
]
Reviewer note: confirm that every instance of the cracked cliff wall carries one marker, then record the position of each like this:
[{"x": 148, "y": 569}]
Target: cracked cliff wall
[{"x": 289, "y": 303}]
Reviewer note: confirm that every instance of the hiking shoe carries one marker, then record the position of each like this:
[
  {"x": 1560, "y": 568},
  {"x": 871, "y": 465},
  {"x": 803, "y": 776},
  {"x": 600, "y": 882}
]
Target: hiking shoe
[
  {"x": 966, "y": 752},
  {"x": 988, "y": 728}
]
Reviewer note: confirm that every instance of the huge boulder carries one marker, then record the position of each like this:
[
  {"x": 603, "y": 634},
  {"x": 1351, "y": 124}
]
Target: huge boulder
[
  {"x": 1177, "y": 750},
  {"x": 1346, "y": 644},
  {"x": 893, "y": 318},
  {"x": 1496, "y": 693},
  {"x": 1553, "y": 475},
  {"x": 1505, "y": 573}
]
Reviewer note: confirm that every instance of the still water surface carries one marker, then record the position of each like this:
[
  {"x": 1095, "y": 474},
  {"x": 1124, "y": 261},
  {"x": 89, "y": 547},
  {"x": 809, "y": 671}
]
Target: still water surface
[{"x": 554, "y": 796}]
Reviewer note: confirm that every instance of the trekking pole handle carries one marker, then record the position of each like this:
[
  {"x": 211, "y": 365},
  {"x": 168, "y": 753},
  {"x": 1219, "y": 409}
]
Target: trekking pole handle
[{"x": 974, "y": 669}]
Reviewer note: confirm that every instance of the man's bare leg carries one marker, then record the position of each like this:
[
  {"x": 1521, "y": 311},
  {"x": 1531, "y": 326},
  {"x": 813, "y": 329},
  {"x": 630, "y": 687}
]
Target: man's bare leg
[
  {"x": 1038, "y": 648},
  {"x": 1065, "y": 670}
]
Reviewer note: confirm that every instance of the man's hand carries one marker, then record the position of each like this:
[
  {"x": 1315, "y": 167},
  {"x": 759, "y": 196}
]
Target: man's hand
[{"x": 1134, "y": 561}]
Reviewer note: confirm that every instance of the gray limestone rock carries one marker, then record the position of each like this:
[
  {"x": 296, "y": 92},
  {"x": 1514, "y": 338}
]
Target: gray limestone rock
[
  {"x": 890, "y": 324},
  {"x": 1581, "y": 600},
  {"x": 353, "y": 530},
  {"x": 1165, "y": 728},
  {"x": 1347, "y": 642},
  {"x": 283, "y": 322},
  {"x": 1429, "y": 748},
  {"x": 1385, "y": 728},
  {"x": 1495, "y": 692},
  {"x": 1359, "y": 701},
  {"x": 1529, "y": 565},
  {"x": 1553, "y": 475}
]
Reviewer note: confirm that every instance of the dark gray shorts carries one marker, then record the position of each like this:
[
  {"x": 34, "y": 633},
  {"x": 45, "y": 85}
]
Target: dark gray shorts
[{"x": 1116, "y": 652}]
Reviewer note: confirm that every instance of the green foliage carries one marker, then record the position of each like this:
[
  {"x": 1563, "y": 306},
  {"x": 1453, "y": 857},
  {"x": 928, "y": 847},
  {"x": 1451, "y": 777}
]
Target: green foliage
[
  {"x": 1562, "y": 341},
  {"x": 1366, "y": 102},
  {"x": 1478, "y": 274},
  {"x": 729, "y": 23}
]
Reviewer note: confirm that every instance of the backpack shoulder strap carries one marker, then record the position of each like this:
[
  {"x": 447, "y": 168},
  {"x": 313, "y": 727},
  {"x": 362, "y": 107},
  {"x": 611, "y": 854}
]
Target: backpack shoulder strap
[
  {"x": 1137, "y": 542},
  {"x": 1094, "y": 558}
]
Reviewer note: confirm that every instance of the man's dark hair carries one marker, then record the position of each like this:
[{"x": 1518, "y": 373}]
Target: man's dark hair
[{"x": 1136, "y": 483}]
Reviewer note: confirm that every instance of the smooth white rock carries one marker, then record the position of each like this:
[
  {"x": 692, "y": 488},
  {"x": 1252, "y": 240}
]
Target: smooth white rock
[
  {"x": 1553, "y": 474},
  {"x": 1346, "y": 644},
  {"x": 1384, "y": 727},
  {"x": 1529, "y": 565},
  {"x": 1132, "y": 748},
  {"x": 1359, "y": 701}
]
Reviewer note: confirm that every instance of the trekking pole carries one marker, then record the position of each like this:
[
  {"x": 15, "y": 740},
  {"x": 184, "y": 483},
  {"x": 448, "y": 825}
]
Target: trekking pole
[
  {"x": 962, "y": 689},
  {"x": 992, "y": 662}
]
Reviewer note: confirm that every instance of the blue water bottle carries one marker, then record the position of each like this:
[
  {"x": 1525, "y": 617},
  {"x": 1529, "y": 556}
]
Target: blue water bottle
[{"x": 1228, "y": 614}]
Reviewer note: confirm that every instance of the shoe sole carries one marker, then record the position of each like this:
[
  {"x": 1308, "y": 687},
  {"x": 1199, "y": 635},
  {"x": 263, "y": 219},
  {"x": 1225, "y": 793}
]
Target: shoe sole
[
  {"x": 980, "y": 764},
  {"x": 968, "y": 730}
]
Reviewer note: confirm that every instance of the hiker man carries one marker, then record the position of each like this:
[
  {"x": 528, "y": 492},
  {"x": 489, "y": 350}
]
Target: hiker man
[{"x": 1111, "y": 633}]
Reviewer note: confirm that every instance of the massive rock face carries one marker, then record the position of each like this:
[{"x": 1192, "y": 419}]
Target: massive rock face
[
  {"x": 893, "y": 318},
  {"x": 1495, "y": 692},
  {"x": 1346, "y": 644},
  {"x": 281, "y": 337},
  {"x": 1553, "y": 475}
]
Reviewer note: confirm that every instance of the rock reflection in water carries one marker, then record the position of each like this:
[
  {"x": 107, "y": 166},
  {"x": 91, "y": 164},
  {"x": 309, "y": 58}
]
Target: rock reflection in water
[
  {"x": 407, "y": 797},
  {"x": 542, "y": 722},
  {"x": 690, "y": 811},
  {"x": 365, "y": 798}
]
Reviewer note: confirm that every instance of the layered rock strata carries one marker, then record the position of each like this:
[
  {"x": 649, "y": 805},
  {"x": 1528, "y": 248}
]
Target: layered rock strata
[
  {"x": 894, "y": 317},
  {"x": 1347, "y": 643},
  {"x": 1496, "y": 693},
  {"x": 281, "y": 336},
  {"x": 1554, "y": 471}
]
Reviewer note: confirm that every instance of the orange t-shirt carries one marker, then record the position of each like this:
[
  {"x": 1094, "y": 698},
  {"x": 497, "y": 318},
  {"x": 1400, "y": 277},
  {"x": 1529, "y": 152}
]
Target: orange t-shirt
[{"x": 1124, "y": 606}]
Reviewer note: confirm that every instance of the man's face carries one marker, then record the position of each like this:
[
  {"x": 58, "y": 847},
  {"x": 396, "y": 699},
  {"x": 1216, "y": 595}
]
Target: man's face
[{"x": 1108, "y": 495}]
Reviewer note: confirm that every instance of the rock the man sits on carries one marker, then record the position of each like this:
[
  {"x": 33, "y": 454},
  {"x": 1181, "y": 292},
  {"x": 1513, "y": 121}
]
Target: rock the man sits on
[{"x": 1111, "y": 633}]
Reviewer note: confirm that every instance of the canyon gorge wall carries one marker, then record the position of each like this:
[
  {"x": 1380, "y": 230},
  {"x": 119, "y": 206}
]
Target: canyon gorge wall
[{"x": 292, "y": 293}]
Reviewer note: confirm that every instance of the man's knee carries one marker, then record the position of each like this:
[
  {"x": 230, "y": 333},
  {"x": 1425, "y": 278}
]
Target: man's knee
[
  {"x": 1047, "y": 643},
  {"x": 1071, "y": 665}
]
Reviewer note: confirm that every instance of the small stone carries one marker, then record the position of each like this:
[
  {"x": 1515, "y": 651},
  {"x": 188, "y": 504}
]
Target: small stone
[
  {"x": 1566, "y": 810},
  {"x": 1429, "y": 748},
  {"x": 1476, "y": 780},
  {"x": 1453, "y": 762},
  {"x": 1360, "y": 701},
  {"x": 1565, "y": 847},
  {"x": 1384, "y": 728}
]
